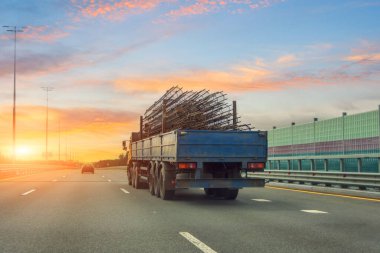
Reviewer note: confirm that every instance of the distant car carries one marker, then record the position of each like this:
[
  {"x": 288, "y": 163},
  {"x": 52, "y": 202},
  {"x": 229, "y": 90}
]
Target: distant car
[{"x": 88, "y": 168}]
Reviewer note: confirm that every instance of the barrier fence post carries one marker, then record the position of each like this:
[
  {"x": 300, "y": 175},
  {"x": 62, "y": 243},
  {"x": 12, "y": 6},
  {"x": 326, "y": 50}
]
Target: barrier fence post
[
  {"x": 360, "y": 164},
  {"x": 326, "y": 164}
]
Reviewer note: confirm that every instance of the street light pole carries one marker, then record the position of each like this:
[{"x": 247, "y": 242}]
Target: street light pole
[
  {"x": 15, "y": 30},
  {"x": 59, "y": 140},
  {"x": 47, "y": 89}
]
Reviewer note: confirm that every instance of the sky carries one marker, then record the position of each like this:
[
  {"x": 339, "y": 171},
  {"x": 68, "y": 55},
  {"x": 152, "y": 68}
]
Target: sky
[{"x": 108, "y": 60}]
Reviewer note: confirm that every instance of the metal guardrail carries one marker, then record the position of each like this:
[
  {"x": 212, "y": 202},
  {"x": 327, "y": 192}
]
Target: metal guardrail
[
  {"x": 363, "y": 181},
  {"x": 323, "y": 157}
]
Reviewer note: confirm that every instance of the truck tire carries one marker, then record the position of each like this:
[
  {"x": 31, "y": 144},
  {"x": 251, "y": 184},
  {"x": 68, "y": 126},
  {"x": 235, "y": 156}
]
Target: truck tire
[
  {"x": 138, "y": 183},
  {"x": 163, "y": 181},
  {"x": 231, "y": 194},
  {"x": 156, "y": 182},
  {"x": 224, "y": 193},
  {"x": 209, "y": 192},
  {"x": 133, "y": 177},
  {"x": 129, "y": 176},
  {"x": 151, "y": 180}
]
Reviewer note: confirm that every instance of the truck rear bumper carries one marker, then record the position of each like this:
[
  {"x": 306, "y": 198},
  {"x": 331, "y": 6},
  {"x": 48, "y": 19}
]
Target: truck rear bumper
[{"x": 219, "y": 183}]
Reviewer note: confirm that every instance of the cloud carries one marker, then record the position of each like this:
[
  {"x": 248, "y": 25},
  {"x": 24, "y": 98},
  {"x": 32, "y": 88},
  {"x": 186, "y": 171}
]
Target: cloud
[
  {"x": 114, "y": 10},
  {"x": 33, "y": 116},
  {"x": 258, "y": 76},
  {"x": 37, "y": 64},
  {"x": 365, "y": 53},
  {"x": 320, "y": 46},
  {"x": 239, "y": 78},
  {"x": 288, "y": 59},
  {"x": 199, "y": 7},
  {"x": 38, "y": 33},
  {"x": 367, "y": 58},
  {"x": 92, "y": 133},
  {"x": 119, "y": 9}
]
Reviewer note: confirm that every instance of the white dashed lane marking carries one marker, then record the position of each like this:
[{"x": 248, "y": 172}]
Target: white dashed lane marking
[
  {"x": 197, "y": 243},
  {"x": 262, "y": 200},
  {"x": 313, "y": 211},
  {"x": 124, "y": 190},
  {"x": 28, "y": 192}
]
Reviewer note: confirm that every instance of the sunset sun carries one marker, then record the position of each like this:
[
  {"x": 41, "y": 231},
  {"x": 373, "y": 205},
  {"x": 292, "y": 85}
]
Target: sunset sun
[{"x": 23, "y": 151}]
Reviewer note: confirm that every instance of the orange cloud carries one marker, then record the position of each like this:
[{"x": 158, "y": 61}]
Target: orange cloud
[
  {"x": 247, "y": 78},
  {"x": 91, "y": 133},
  {"x": 373, "y": 57},
  {"x": 205, "y": 6},
  {"x": 287, "y": 59},
  {"x": 114, "y": 9},
  {"x": 240, "y": 78},
  {"x": 118, "y": 9}
]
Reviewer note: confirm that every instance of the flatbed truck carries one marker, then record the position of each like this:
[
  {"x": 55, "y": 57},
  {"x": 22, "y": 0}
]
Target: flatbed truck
[{"x": 215, "y": 160}]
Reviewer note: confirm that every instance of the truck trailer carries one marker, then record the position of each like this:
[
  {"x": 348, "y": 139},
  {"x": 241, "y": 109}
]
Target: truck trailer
[{"x": 216, "y": 160}]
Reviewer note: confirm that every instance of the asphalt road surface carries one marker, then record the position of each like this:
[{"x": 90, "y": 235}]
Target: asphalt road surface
[{"x": 66, "y": 211}]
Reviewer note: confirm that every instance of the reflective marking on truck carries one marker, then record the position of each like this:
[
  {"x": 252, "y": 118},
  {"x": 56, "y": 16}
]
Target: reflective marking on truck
[{"x": 197, "y": 243}]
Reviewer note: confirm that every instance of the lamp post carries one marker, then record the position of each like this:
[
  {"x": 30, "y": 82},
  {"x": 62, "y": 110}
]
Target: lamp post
[
  {"x": 15, "y": 30},
  {"x": 292, "y": 125},
  {"x": 47, "y": 89},
  {"x": 273, "y": 143}
]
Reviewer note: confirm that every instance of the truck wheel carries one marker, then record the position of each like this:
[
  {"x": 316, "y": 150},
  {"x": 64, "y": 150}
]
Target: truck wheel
[
  {"x": 164, "y": 192},
  {"x": 133, "y": 177},
  {"x": 209, "y": 192},
  {"x": 138, "y": 184},
  {"x": 151, "y": 183},
  {"x": 231, "y": 194},
  {"x": 129, "y": 176},
  {"x": 156, "y": 184}
]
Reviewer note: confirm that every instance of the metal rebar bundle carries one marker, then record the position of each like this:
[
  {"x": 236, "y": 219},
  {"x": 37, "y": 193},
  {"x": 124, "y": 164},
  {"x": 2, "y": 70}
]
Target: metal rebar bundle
[{"x": 179, "y": 109}]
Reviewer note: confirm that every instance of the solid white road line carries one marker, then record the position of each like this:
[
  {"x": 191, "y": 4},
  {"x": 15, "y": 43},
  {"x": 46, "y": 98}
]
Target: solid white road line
[
  {"x": 26, "y": 193},
  {"x": 197, "y": 243},
  {"x": 124, "y": 190},
  {"x": 313, "y": 211},
  {"x": 262, "y": 200}
]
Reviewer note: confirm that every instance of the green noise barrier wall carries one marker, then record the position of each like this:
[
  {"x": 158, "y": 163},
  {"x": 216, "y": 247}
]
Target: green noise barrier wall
[{"x": 333, "y": 144}]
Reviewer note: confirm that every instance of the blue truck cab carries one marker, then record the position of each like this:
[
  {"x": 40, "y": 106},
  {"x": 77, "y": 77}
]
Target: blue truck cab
[{"x": 215, "y": 160}]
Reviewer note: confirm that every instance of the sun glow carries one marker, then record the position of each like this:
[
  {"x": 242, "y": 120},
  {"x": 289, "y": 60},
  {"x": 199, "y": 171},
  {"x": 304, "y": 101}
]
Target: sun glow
[{"x": 23, "y": 151}]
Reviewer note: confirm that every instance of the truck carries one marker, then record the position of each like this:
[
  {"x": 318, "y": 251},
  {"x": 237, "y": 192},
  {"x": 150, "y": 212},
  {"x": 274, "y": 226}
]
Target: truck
[{"x": 216, "y": 160}]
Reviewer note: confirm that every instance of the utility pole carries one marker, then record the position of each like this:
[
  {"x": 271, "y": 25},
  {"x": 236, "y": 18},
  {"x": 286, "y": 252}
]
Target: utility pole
[
  {"x": 47, "y": 89},
  {"x": 15, "y": 30},
  {"x": 66, "y": 145},
  {"x": 59, "y": 140}
]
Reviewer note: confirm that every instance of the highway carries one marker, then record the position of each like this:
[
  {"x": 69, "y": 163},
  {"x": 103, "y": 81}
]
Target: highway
[{"x": 66, "y": 211}]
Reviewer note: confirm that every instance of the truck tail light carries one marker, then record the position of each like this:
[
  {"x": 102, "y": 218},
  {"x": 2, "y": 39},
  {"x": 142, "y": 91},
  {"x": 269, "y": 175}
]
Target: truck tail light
[
  {"x": 184, "y": 166},
  {"x": 256, "y": 166}
]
